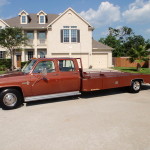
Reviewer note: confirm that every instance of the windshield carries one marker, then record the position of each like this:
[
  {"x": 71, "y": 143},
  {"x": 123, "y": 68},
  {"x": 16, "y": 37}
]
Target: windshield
[{"x": 28, "y": 66}]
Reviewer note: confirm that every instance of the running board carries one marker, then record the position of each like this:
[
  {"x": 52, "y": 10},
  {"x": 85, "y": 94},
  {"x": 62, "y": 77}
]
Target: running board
[{"x": 50, "y": 96}]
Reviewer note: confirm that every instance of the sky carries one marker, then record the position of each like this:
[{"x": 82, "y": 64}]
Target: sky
[{"x": 100, "y": 14}]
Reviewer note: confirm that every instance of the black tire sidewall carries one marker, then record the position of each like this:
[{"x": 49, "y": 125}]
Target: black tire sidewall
[
  {"x": 14, "y": 91},
  {"x": 132, "y": 90}
]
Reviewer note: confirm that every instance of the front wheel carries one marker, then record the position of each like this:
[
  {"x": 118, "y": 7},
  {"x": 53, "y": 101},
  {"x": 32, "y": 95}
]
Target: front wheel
[
  {"x": 10, "y": 99},
  {"x": 135, "y": 86}
]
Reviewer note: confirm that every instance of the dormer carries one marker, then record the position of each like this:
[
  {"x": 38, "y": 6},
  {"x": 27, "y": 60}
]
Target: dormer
[
  {"x": 42, "y": 17},
  {"x": 24, "y": 16}
]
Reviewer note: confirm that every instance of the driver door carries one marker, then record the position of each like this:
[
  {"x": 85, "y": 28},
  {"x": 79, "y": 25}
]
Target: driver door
[{"x": 48, "y": 84}]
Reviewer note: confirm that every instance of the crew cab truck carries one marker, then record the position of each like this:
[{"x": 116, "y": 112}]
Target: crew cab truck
[{"x": 46, "y": 78}]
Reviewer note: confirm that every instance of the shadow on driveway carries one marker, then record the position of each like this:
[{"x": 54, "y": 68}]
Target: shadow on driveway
[{"x": 86, "y": 95}]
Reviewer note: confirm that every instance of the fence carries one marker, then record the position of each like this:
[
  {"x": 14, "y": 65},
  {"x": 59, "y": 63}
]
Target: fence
[{"x": 124, "y": 62}]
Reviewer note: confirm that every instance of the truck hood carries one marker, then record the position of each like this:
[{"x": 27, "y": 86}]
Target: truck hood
[{"x": 12, "y": 74}]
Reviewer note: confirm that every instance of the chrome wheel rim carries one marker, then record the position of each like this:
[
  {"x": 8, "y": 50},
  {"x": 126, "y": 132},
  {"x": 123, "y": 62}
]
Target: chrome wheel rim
[
  {"x": 10, "y": 99},
  {"x": 136, "y": 85}
]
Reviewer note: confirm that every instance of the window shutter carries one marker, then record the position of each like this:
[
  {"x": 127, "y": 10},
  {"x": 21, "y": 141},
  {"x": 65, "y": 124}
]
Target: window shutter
[
  {"x": 61, "y": 36},
  {"x": 78, "y": 36}
]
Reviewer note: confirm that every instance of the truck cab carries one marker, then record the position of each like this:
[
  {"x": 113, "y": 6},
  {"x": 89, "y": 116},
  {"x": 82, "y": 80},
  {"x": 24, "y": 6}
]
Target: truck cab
[{"x": 40, "y": 79}]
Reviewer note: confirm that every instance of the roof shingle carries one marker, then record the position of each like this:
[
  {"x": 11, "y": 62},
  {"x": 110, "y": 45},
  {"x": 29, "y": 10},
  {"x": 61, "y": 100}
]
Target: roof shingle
[
  {"x": 33, "y": 23},
  {"x": 100, "y": 46}
]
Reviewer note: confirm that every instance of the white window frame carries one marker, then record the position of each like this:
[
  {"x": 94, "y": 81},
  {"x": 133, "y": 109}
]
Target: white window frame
[
  {"x": 70, "y": 28},
  {"x": 25, "y": 19},
  {"x": 40, "y": 19}
]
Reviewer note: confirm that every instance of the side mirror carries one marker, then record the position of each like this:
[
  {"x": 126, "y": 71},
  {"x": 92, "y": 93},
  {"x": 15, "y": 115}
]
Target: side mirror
[{"x": 44, "y": 72}]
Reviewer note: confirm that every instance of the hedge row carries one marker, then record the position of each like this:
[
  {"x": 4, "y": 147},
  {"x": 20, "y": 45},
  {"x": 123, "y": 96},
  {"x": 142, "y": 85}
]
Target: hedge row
[{"x": 5, "y": 64}]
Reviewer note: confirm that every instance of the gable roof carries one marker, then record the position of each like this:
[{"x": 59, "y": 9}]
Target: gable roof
[
  {"x": 23, "y": 11},
  {"x": 4, "y": 22},
  {"x": 41, "y": 12},
  {"x": 33, "y": 21},
  {"x": 69, "y": 9},
  {"x": 100, "y": 46}
]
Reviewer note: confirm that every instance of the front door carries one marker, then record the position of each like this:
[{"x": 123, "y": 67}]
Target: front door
[
  {"x": 18, "y": 61},
  {"x": 48, "y": 84}
]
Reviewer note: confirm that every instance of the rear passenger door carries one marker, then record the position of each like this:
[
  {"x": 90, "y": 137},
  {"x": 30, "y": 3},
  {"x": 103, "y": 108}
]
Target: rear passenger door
[{"x": 69, "y": 75}]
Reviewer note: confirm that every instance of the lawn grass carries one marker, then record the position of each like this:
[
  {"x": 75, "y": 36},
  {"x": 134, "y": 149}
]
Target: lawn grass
[
  {"x": 2, "y": 72},
  {"x": 132, "y": 70}
]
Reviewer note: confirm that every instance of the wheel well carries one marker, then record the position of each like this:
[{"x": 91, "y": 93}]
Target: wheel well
[
  {"x": 13, "y": 87},
  {"x": 140, "y": 80}
]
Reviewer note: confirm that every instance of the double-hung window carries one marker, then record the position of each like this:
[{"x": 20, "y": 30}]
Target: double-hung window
[
  {"x": 70, "y": 34},
  {"x": 42, "y": 19},
  {"x": 42, "y": 37},
  {"x": 23, "y": 19},
  {"x": 30, "y": 35},
  {"x": 30, "y": 55}
]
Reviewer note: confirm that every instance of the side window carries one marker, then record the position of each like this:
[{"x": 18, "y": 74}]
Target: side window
[
  {"x": 66, "y": 65},
  {"x": 48, "y": 65}
]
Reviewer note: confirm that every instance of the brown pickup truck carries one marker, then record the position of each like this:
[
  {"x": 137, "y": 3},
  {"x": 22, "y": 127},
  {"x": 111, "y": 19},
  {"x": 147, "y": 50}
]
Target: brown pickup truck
[{"x": 46, "y": 78}]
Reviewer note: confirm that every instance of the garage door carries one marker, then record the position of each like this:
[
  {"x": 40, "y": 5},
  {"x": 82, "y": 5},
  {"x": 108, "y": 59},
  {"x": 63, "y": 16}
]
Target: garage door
[
  {"x": 84, "y": 58},
  {"x": 59, "y": 55},
  {"x": 100, "y": 60}
]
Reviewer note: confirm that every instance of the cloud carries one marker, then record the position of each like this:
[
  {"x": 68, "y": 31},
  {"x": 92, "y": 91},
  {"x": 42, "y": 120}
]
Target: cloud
[
  {"x": 148, "y": 31},
  {"x": 138, "y": 12},
  {"x": 4, "y": 2},
  {"x": 103, "y": 15}
]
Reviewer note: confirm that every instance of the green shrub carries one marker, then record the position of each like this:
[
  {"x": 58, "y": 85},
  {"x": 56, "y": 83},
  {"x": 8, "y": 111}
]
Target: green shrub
[
  {"x": 5, "y": 64},
  {"x": 23, "y": 63},
  {"x": 2, "y": 67}
]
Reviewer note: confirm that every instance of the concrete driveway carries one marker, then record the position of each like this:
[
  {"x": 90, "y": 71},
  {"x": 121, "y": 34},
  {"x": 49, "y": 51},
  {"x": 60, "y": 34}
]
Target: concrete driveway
[{"x": 104, "y": 120}]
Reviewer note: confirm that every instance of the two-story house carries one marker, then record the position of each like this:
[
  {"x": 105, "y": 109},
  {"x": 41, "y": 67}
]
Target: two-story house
[{"x": 63, "y": 35}]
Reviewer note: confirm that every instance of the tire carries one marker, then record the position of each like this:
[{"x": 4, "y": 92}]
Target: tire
[
  {"x": 135, "y": 86},
  {"x": 10, "y": 99}
]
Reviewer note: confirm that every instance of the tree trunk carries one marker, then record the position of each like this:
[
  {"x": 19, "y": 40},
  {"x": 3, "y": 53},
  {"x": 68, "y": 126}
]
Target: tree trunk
[
  {"x": 138, "y": 67},
  {"x": 12, "y": 60}
]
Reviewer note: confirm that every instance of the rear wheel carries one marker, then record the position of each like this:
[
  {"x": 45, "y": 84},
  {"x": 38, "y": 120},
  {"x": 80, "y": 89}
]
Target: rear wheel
[
  {"x": 135, "y": 86},
  {"x": 10, "y": 99}
]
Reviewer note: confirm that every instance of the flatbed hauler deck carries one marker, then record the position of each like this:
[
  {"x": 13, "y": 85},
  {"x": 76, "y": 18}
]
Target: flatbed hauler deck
[{"x": 46, "y": 78}]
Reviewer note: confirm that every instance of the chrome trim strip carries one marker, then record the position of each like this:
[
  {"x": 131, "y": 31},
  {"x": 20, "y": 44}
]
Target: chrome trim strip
[{"x": 50, "y": 96}]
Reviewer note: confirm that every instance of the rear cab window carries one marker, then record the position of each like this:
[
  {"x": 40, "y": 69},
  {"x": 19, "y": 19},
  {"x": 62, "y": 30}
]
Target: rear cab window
[{"x": 66, "y": 65}]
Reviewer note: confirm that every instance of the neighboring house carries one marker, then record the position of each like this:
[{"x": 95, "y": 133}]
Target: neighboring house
[{"x": 64, "y": 35}]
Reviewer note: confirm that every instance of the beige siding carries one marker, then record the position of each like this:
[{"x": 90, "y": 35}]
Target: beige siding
[
  {"x": 69, "y": 19},
  {"x": 59, "y": 55}
]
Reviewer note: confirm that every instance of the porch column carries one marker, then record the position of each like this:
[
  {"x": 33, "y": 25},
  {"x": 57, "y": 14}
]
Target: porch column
[
  {"x": 23, "y": 56},
  {"x": 35, "y": 52},
  {"x": 35, "y": 43}
]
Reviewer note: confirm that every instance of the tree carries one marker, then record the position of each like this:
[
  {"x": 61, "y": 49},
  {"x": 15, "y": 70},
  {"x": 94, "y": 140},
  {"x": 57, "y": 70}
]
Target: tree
[
  {"x": 134, "y": 42},
  {"x": 148, "y": 44},
  {"x": 123, "y": 40},
  {"x": 138, "y": 54},
  {"x": 114, "y": 43},
  {"x": 121, "y": 34},
  {"x": 12, "y": 39}
]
